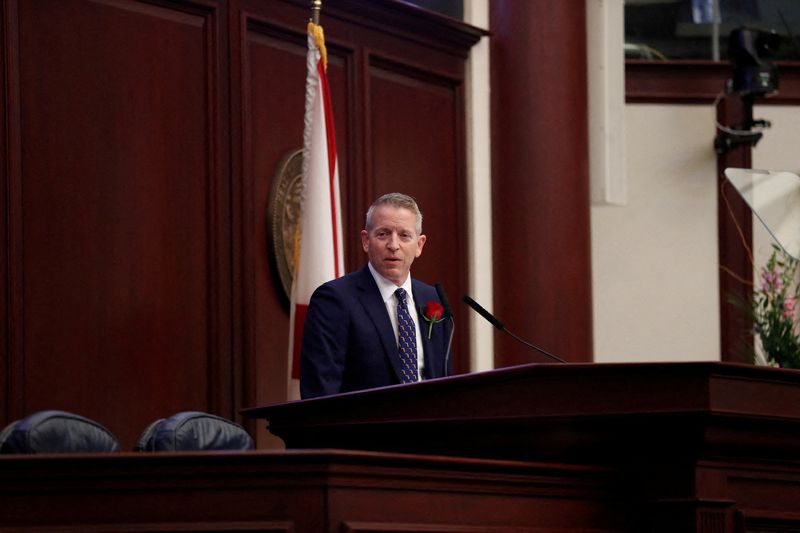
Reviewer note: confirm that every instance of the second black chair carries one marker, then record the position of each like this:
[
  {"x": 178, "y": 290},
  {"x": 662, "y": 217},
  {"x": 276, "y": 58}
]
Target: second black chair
[{"x": 193, "y": 431}]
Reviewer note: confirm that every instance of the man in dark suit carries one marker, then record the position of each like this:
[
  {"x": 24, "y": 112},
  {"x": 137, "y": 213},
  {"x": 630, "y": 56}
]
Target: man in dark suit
[{"x": 369, "y": 328}]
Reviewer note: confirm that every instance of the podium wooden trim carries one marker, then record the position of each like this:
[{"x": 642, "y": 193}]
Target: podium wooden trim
[
  {"x": 701, "y": 446},
  {"x": 580, "y": 413},
  {"x": 319, "y": 491}
]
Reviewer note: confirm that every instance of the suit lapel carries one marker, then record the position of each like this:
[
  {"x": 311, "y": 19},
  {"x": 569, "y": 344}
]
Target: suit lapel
[
  {"x": 427, "y": 345},
  {"x": 370, "y": 298}
]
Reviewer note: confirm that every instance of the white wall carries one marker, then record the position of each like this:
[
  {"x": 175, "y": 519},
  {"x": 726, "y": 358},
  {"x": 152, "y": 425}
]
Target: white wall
[{"x": 654, "y": 259}]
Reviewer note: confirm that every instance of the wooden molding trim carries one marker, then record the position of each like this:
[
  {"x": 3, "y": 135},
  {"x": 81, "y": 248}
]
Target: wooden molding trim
[
  {"x": 697, "y": 81},
  {"x": 400, "y": 18}
]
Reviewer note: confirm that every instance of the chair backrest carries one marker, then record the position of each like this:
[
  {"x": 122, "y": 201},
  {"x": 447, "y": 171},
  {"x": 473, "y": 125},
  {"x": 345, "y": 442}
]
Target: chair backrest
[
  {"x": 56, "y": 432},
  {"x": 193, "y": 431}
]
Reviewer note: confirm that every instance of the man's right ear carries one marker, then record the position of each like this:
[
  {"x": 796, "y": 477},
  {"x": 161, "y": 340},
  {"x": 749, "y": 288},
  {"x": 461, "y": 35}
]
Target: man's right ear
[{"x": 365, "y": 240}]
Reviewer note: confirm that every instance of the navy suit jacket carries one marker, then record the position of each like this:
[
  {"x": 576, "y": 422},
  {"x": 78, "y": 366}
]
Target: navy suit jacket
[{"x": 349, "y": 343}]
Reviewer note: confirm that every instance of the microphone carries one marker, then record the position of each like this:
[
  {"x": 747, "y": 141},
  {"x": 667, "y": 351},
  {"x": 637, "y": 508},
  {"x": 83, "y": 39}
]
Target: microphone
[
  {"x": 448, "y": 312},
  {"x": 499, "y": 325},
  {"x": 484, "y": 313}
]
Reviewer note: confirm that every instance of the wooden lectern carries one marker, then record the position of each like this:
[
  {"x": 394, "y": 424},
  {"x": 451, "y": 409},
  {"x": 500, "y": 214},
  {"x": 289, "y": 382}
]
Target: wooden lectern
[{"x": 706, "y": 447}]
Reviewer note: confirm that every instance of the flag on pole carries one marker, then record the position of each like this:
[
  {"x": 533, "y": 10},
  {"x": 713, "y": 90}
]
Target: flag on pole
[{"x": 318, "y": 243}]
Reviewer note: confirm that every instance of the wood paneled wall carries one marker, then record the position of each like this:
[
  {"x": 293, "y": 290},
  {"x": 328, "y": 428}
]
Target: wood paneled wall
[
  {"x": 139, "y": 141},
  {"x": 119, "y": 217}
]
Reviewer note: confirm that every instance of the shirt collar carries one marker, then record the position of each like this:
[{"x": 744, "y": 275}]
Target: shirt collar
[{"x": 387, "y": 287}]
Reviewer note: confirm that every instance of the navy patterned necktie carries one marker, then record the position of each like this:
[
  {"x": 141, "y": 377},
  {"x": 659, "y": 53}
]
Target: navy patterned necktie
[{"x": 406, "y": 339}]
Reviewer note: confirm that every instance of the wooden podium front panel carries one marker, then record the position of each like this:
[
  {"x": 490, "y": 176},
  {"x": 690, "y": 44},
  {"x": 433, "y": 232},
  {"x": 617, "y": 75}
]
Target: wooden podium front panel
[
  {"x": 301, "y": 492},
  {"x": 710, "y": 445},
  {"x": 581, "y": 413}
]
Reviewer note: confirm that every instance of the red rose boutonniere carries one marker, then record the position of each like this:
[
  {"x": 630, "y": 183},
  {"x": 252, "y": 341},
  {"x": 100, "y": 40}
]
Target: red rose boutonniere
[{"x": 432, "y": 314}]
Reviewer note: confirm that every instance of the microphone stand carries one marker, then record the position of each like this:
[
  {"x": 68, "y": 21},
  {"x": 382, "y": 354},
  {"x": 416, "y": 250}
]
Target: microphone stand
[{"x": 449, "y": 346}]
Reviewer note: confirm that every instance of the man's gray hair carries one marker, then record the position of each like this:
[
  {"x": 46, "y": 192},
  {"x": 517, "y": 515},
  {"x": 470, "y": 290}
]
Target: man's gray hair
[{"x": 398, "y": 200}]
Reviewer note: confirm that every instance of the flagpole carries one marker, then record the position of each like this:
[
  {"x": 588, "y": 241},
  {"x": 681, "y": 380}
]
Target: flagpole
[{"x": 316, "y": 7}]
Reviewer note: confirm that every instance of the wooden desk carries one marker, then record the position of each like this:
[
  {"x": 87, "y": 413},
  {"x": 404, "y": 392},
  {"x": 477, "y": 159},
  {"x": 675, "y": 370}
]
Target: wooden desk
[
  {"x": 302, "y": 492},
  {"x": 709, "y": 447}
]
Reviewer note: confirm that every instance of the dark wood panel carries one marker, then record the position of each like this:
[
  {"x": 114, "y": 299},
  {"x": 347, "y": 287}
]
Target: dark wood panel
[
  {"x": 303, "y": 492},
  {"x": 120, "y": 196},
  {"x": 698, "y": 82},
  {"x": 735, "y": 245},
  {"x": 415, "y": 129},
  {"x": 675, "y": 81},
  {"x": 398, "y": 527},
  {"x": 540, "y": 185},
  {"x": 276, "y": 66},
  {"x": 9, "y": 191}
]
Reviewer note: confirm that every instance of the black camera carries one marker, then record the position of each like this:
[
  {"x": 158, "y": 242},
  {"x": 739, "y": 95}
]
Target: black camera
[
  {"x": 754, "y": 76},
  {"x": 750, "y": 50}
]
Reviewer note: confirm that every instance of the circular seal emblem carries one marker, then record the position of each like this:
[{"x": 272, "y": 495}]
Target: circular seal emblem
[{"x": 283, "y": 217}]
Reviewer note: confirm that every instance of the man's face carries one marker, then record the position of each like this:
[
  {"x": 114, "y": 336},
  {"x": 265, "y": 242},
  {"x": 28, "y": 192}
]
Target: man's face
[{"x": 392, "y": 243}]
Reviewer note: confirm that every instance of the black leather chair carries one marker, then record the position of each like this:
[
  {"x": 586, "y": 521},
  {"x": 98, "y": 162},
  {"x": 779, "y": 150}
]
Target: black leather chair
[
  {"x": 193, "y": 431},
  {"x": 56, "y": 432}
]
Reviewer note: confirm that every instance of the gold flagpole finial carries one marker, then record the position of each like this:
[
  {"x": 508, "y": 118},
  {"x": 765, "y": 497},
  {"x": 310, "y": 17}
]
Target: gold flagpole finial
[{"x": 316, "y": 7}]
